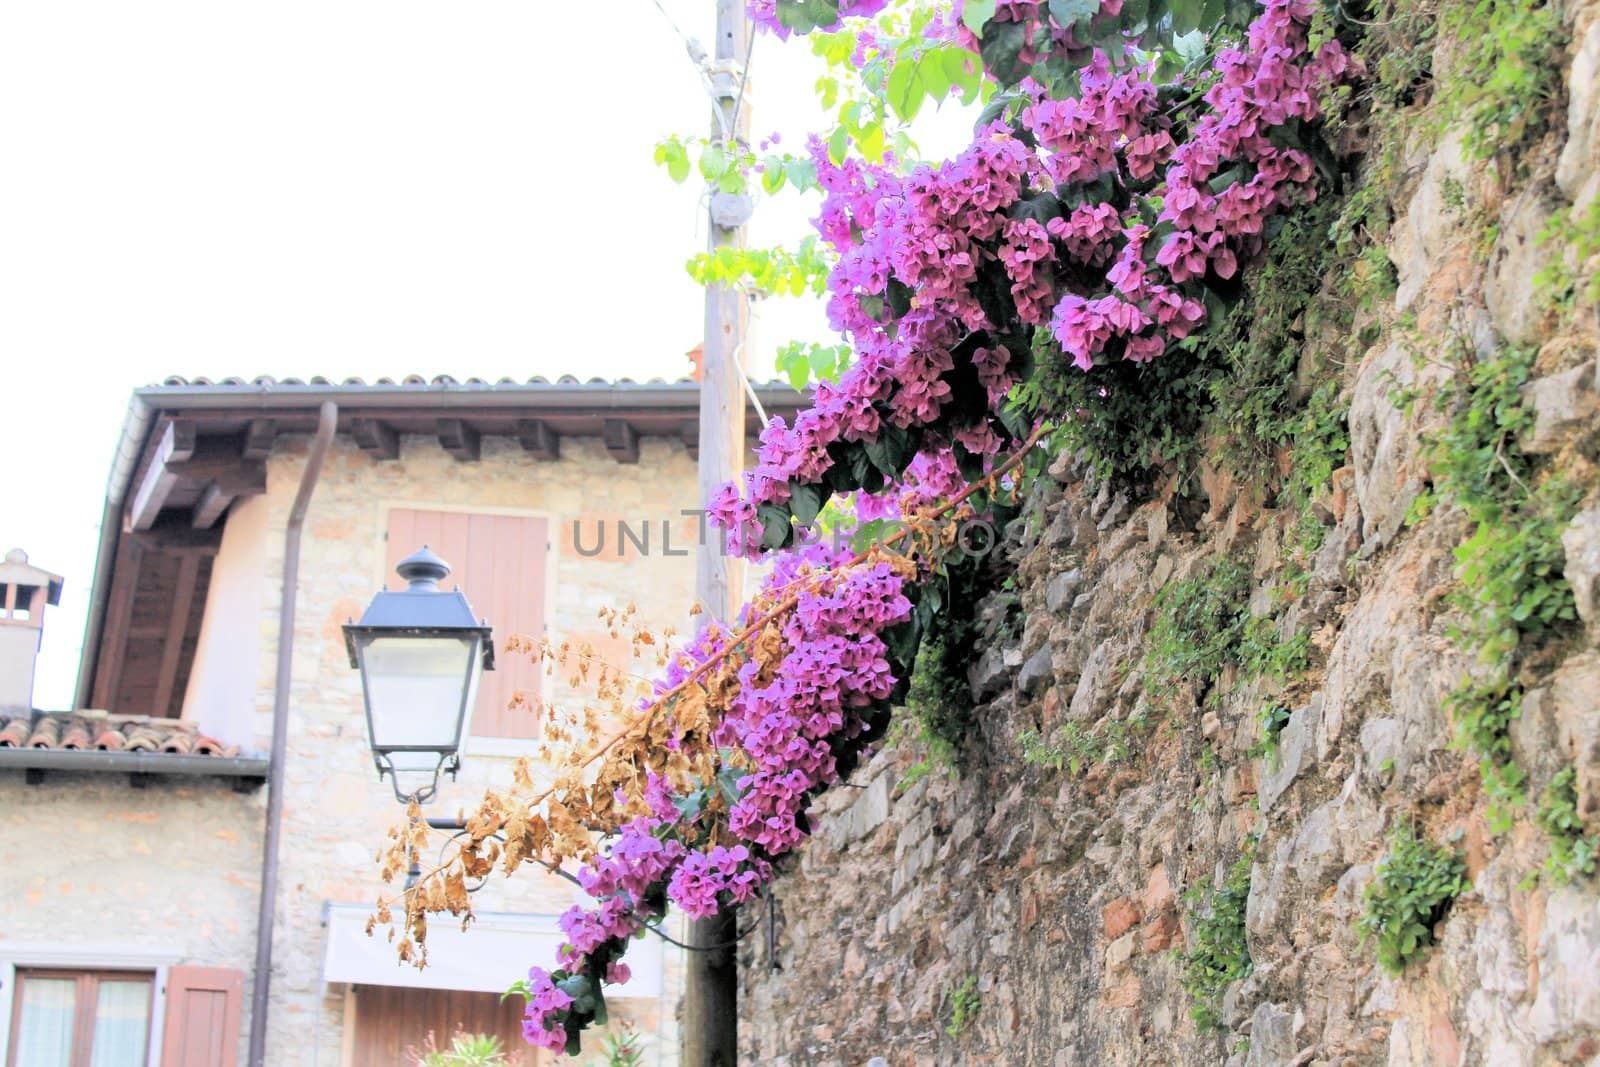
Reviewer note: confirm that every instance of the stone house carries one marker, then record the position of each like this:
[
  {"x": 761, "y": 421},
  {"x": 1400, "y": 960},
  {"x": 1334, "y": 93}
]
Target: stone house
[{"x": 134, "y": 862}]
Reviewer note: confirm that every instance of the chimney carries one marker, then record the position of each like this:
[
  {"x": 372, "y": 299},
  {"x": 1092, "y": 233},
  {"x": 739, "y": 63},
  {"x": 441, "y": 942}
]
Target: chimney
[{"x": 24, "y": 592}]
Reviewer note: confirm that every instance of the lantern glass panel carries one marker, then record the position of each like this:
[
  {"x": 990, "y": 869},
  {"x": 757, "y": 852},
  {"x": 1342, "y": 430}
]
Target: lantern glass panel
[{"x": 419, "y": 689}]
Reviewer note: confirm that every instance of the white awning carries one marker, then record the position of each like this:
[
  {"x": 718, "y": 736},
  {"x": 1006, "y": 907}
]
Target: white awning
[{"x": 496, "y": 951}]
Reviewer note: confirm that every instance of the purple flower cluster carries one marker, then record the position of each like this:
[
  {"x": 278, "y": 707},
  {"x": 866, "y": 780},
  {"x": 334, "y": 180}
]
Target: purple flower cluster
[
  {"x": 614, "y": 919},
  {"x": 701, "y": 879},
  {"x": 764, "y": 13},
  {"x": 638, "y": 858},
  {"x": 837, "y": 666},
  {"x": 1106, "y": 285},
  {"x": 546, "y": 1009}
]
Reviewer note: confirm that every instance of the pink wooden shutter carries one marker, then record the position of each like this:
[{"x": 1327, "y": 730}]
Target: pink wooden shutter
[
  {"x": 202, "y": 1026},
  {"x": 499, "y": 563}
]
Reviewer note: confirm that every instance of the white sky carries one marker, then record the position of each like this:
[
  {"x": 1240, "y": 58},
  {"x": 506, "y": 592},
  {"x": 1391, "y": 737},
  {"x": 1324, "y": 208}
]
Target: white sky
[{"x": 339, "y": 187}]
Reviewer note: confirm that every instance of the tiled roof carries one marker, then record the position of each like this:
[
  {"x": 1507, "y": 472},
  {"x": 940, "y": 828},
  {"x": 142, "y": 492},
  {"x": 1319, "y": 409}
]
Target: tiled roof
[
  {"x": 96, "y": 731},
  {"x": 421, "y": 381}
]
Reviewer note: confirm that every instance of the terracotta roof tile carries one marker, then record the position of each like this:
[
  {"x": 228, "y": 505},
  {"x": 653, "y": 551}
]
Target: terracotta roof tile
[
  {"x": 87, "y": 730},
  {"x": 438, "y": 381}
]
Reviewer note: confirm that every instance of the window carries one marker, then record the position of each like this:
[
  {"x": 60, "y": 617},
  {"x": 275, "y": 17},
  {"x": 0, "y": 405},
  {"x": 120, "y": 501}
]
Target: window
[
  {"x": 499, "y": 561},
  {"x": 18, "y": 600},
  {"x": 80, "y": 1018}
]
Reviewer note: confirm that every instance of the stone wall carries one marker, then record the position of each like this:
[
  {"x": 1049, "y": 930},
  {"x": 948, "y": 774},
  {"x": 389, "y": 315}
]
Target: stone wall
[
  {"x": 87, "y": 860},
  {"x": 1067, "y": 898}
]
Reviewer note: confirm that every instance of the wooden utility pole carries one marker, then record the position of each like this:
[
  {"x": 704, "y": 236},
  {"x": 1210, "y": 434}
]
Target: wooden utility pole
[{"x": 711, "y": 992}]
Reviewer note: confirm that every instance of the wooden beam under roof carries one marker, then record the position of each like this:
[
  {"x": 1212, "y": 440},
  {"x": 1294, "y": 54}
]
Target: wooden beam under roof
[
  {"x": 539, "y": 439},
  {"x": 211, "y": 469},
  {"x": 178, "y": 444},
  {"x": 173, "y": 534},
  {"x": 376, "y": 437},
  {"x": 621, "y": 440},
  {"x": 119, "y": 609},
  {"x": 258, "y": 438},
  {"x": 459, "y": 439},
  {"x": 182, "y": 605},
  {"x": 213, "y": 503}
]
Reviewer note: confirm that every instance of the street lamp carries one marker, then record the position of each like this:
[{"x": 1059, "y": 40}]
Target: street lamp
[{"x": 420, "y": 652}]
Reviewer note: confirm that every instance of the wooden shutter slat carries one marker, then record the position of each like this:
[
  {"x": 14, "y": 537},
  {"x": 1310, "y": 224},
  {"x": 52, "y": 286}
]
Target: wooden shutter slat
[
  {"x": 202, "y": 1024},
  {"x": 498, "y": 562}
]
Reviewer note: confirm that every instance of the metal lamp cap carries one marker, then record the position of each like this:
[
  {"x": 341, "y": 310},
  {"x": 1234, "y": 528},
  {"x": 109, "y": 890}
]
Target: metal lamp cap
[{"x": 423, "y": 570}]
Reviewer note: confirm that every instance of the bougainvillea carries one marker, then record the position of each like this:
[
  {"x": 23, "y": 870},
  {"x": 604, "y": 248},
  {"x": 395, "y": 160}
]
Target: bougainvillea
[
  {"x": 1109, "y": 216},
  {"x": 1100, "y": 211},
  {"x": 814, "y": 678}
]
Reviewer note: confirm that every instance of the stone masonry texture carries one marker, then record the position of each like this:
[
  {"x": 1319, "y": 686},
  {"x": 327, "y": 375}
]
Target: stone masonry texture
[{"x": 1063, "y": 896}]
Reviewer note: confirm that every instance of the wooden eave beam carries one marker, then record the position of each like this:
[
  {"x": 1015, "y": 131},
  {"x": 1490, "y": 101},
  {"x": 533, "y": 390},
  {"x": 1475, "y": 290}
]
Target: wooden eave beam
[
  {"x": 177, "y": 630},
  {"x": 119, "y": 610},
  {"x": 376, "y": 437},
  {"x": 178, "y": 445},
  {"x": 212, "y": 505},
  {"x": 459, "y": 439},
  {"x": 539, "y": 439},
  {"x": 197, "y": 462},
  {"x": 621, "y": 440},
  {"x": 172, "y": 535},
  {"x": 258, "y": 438}
]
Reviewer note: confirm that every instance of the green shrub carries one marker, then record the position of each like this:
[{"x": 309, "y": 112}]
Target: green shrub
[
  {"x": 1572, "y": 853},
  {"x": 1076, "y": 749},
  {"x": 963, "y": 1003},
  {"x": 1566, "y": 281},
  {"x": 1200, "y": 627},
  {"x": 1509, "y": 71},
  {"x": 1511, "y": 590},
  {"x": 466, "y": 1050},
  {"x": 1218, "y": 952},
  {"x": 1273, "y": 718},
  {"x": 938, "y": 702},
  {"x": 1415, "y": 885}
]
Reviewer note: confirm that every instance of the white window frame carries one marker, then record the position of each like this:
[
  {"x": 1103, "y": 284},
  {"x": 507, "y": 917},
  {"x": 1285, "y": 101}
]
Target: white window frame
[
  {"x": 22, "y": 955},
  {"x": 479, "y": 744}
]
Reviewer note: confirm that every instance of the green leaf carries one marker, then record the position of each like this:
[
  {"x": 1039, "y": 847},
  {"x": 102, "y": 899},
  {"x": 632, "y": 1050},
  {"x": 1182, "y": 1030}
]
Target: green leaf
[
  {"x": 776, "y": 529},
  {"x": 898, "y": 295},
  {"x": 806, "y": 501},
  {"x": 792, "y": 364},
  {"x": 1231, "y": 176},
  {"x": 905, "y": 89},
  {"x": 689, "y": 806},
  {"x": 976, "y": 13},
  {"x": 713, "y": 163},
  {"x": 936, "y": 80},
  {"x": 871, "y": 141},
  {"x": 1001, "y": 49},
  {"x": 1068, "y": 12},
  {"x": 891, "y": 450},
  {"x": 803, "y": 16},
  {"x": 1186, "y": 15},
  {"x": 675, "y": 157},
  {"x": 838, "y": 145},
  {"x": 801, "y": 173},
  {"x": 772, "y": 174},
  {"x": 962, "y": 70}
]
